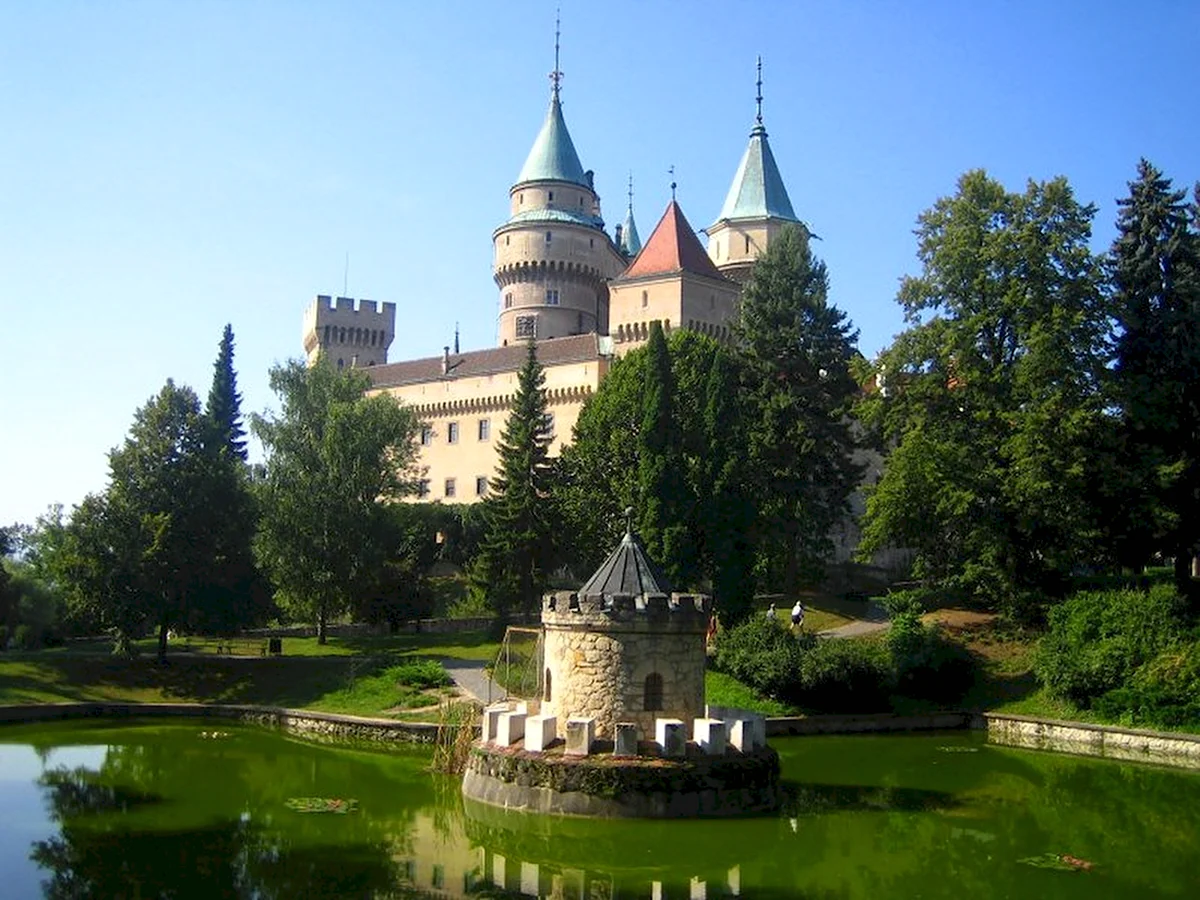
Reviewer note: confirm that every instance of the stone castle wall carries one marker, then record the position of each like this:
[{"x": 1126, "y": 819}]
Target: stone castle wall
[{"x": 598, "y": 659}]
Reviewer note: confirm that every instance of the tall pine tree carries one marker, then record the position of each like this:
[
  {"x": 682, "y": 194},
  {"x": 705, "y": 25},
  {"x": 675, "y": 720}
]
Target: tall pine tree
[
  {"x": 519, "y": 547},
  {"x": 1154, "y": 268},
  {"x": 224, "y": 407}
]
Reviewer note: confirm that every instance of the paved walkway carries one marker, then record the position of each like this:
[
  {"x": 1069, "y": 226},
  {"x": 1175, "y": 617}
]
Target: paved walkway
[
  {"x": 469, "y": 675},
  {"x": 875, "y": 620}
]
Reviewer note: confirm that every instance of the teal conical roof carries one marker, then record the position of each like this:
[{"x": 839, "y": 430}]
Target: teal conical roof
[
  {"x": 757, "y": 191},
  {"x": 631, "y": 243},
  {"x": 553, "y": 157}
]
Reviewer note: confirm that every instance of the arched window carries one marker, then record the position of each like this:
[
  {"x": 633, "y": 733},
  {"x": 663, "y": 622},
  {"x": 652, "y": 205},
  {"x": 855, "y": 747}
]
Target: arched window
[
  {"x": 326, "y": 334},
  {"x": 546, "y": 693},
  {"x": 652, "y": 699},
  {"x": 342, "y": 336},
  {"x": 645, "y": 299}
]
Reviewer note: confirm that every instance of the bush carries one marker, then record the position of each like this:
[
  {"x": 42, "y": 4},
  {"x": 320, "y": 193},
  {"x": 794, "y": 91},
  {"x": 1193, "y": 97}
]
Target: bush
[
  {"x": 24, "y": 638},
  {"x": 1098, "y": 639},
  {"x": 422, "y": 673},
  {"x": 844, "y": 675},
  {"x": 764, "y": 655},
  {"x": 926, "y": 664},
  {"x": 3, "y": 637},
  {"x": 1164, "y": 692}
]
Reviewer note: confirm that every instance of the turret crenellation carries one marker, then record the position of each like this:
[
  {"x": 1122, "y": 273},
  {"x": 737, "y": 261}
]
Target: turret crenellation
[{"x": 350, "y": 332}]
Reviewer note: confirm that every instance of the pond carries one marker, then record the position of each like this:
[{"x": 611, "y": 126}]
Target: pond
[{"x": 212, "y": 810}]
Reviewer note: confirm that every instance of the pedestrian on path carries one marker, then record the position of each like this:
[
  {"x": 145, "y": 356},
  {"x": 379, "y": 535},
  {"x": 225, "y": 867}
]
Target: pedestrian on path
[
  {"x": 771, "y": 613},
  {"x": 798, "y": 615}
]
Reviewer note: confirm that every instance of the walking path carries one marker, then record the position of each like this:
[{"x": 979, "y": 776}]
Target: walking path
[
  {"x": 875, "y": 620},
  {"x": 471, "y": 677}
]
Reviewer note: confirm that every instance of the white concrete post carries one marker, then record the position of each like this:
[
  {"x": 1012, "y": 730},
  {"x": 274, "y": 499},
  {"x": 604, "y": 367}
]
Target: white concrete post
[
  {"x": 510, "y": 729},
  {"x": 709, "y": 734},
  {"x": 540, "y": 732},
  {"x": 671, "y": 736},
  {"x": 581, "y": 731},
  {"x": 625, "y": 741}
]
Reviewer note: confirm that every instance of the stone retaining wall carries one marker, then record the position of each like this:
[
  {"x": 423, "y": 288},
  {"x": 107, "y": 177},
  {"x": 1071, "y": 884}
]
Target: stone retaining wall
[
  {"x": 295, "y": 721},
  {"x": 855, "y": 724},
  {"x": 1158, "y": 747}
]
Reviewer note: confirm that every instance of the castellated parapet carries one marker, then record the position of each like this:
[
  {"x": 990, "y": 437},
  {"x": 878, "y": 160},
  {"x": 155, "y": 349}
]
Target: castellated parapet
[
  {"x": 624, "y": 658},
  {"x": 349, "y": 332}
]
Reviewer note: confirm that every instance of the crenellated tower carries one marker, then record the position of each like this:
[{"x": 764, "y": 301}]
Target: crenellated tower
[
  {"x": 552, "y": 258},
  {"x": 756, "y": 207},
  {"x": 349, "y": 333}
]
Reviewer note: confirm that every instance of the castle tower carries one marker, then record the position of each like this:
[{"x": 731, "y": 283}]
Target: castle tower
[
  {"x": 755, "y": 209},
  {"x": 552, "y": 258},
  {"x": 348, "y": 333},
  {"x": 672, "y": 281},
  {"x": 623, "y": 648},
  {"x": 628, "y": 240}
]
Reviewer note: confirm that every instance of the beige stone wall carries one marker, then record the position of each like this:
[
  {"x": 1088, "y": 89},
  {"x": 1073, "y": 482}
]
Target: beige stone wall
[
  {"x": 349, "y": 332},
  {"x": 598, "y": 662},
  {"x": 680, "y": 300},
  {"x": 734, "y": 246},
  {"x": 466, "y": 402}
]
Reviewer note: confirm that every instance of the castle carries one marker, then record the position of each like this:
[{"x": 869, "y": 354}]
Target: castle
[{"x": 583, "y": 295}]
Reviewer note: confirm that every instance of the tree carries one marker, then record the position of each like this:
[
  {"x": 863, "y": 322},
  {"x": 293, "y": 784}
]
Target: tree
[
  {"x": 519, "y": 545},
  {"x": 994, "y": 399},
  {"x": 8, "y": 595},
  {"x": 797, "y": 349},
  {"x": 663, "y": 509},
  {"x": 336, "y": 459},
  {"x": 1154, "y": 268},
  {"x": 224, "y": 408}
]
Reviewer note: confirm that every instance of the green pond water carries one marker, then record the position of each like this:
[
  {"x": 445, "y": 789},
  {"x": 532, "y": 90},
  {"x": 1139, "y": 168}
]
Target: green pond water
[{"x": 213, "y": 810}]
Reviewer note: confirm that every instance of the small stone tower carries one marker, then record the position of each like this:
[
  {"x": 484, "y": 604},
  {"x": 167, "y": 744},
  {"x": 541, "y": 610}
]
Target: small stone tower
[
  {"x": 349, "y": 333},
  {"x": 755, "y": 209},
  {"x": 552, "y": 258},
  {"x": 623, "y": 648}
]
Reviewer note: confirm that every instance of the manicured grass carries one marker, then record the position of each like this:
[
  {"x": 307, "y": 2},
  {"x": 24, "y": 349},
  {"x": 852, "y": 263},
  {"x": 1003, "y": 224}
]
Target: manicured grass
[{"x": 725, "y": 690}]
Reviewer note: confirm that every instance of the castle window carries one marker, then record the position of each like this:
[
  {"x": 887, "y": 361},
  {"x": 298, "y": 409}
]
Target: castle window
[
  {"x": 520, "y": 198},
  {"x": 373, "y": 336},
  {"x": 652, "y": 694},
  {"x": 423, "y": 487},
  {"x": 747, "y": 243},
  {"x": 592, "y": 243},
  {"x": 326, "y": 334},
  {"x": 579, "y": 323},
  {"x": 452, "y": 433},
  {"x": 581, "y": 199},
  {"x": 546, "y": 688},
  {"x": 548, "y": 237},
  {"x": 508, "y": 300},
  {"x": 438, "y": 878},
  {"x": 507, "y": 239},
  {"x": 480, "y": 485},
  {"x": 645, "y": 299},
  {"x": 342, "y": 336},
  {"x": 485, "y": 429},
  {"x": 426, "y": 435},
  {"x": 550, "y": 196},
  {"x": 552, "y": 297},
  {"x": 548, "y": 424},
  {"x": 526, "y": 326},
  {"x": 449, "y": 487}
]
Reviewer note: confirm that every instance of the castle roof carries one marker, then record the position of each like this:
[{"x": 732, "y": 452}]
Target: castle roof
[
  {"x": 672, "y": 248},
  {"x": 757, "y": 191},
  {"x": 491, "y": 361},
  {"x": 631, "y": 243},
  {"x": 552, "y": 214},
  {"x": 553, "y": 156},
  {"x": 628, "y": 570}
]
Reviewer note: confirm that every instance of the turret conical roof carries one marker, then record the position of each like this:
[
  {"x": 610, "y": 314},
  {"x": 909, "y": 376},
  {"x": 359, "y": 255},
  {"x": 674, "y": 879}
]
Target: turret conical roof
[
  {"x": 628, "y": 570},
  {"x": 757, "y": 191},
  {"x": 631, "y": 243},
  {"x": 553, "y": 156}
]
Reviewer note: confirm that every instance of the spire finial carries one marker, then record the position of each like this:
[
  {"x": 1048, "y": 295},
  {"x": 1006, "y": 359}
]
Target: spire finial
[
  {"x": 758, "y": 99},
  {"x": 629, "y": 520},
  {"x": 556, "y": 75},
  {"x": 671, "y": 172},
  {"x": 456, "y": 337},
  {"x": 631, "y": 191}
]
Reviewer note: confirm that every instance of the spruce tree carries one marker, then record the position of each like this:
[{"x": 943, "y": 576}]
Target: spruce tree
[
  {"x": 1154, "y": 269},
  {"x": 519, "y": 548},
  {"x": 224, "y": 408}
]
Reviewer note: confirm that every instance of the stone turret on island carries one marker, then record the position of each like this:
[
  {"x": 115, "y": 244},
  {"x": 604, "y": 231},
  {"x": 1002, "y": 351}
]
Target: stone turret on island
[{"x": 620, "y": 727}]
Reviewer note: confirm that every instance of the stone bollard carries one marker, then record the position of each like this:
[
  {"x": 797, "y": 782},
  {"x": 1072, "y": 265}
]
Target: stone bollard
[
  {"x": 671, "y": 736},
  {"x": 540, "y": 732},
  {"x": 581, "y": 731},
  {"x": 491, "y": 720},
  {"x": 709, "y": 734},
  {"x": 510, "y": 729},
  {"x": 625, "y": 742},
  {"x": 741, "y": 735}
]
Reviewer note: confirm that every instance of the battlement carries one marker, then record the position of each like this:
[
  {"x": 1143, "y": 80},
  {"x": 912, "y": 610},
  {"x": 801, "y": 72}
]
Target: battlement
[
  {"x": 362, "y": 329},
  {"x": 572, "y": 607}
]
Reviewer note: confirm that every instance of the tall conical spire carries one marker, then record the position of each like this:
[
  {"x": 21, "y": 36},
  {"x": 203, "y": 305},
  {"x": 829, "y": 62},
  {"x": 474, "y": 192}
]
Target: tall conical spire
[
  {"x": 757, "y": 191},
  {"x": 553, "y": 156},
  {"x": 631, "y": 243}
]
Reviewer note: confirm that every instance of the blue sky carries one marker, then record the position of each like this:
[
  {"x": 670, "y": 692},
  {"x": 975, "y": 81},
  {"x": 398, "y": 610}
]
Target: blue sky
[{"x": 168, "y": 167}]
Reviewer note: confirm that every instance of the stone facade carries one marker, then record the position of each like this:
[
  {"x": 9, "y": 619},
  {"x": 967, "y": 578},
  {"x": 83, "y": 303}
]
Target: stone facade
[
  {"x": 630, "y": 660},
  {"x": 351, "y": 333}
]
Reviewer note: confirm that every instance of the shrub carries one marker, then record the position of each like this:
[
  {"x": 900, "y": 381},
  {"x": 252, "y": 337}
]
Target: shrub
[
  {"x": 927, "y": 665},
  {"x": 844, "y": 675},
  {"x": 421, "y": 673},
  {"x": 24, "y": 638},
  {"x": 762, "y": 654},
  {"x": 3, "y": 637},
  {"x": 1163, "y": 692},
  {"x": 1097, "y": 639}
]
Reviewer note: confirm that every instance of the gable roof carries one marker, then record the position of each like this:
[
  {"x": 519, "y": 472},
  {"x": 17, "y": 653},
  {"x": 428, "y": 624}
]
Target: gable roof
[
  {"x": 673, "y": 247},
  {"x": 491, "y": 361},
  {"x": 757, "y": 191}
]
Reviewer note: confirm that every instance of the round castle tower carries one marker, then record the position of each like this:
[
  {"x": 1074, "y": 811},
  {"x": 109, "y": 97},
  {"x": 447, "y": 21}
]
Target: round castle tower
[
  {"x": 623, "y": 648},
  {"x": 552, "y": 258}
]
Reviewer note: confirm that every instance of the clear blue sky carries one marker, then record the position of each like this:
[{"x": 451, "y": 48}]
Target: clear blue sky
[{"x": 168, "y": 167}]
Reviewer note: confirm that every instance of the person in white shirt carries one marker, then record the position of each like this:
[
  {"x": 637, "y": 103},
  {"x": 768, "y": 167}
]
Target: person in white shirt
[{"x": 798, "y": 615}]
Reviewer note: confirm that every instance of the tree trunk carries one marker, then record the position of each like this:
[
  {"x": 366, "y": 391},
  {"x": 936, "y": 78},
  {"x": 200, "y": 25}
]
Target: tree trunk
[
  {"x": 162, "y": 642},
  {"x": 322, "y": 626}
]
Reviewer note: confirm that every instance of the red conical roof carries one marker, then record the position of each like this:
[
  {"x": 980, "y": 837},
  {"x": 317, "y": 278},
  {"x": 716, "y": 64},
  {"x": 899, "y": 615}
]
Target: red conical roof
[{"x": 673, "y": 247}]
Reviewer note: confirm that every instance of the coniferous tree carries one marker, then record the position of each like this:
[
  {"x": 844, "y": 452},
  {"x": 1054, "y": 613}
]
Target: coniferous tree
[
  {"x": 224, "y": 408},
  {"x": 797, "y": 349},
  {"x": 519, "y": 547},
  {"x": 1154, "y": 268}
]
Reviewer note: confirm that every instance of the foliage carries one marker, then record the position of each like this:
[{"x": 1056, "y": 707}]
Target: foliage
[
  {"x": 1154, "y": 267},
  {"x": 224, "y": 407},
  {"x": 993, "y": 400},
  {"x": 763, "y": 654},
  {"x": 797, "y": 351},
  {"x": 336, "y": 460},
  {"x": 421, "y": 673},
  {"x": 8, "y": 595},
  {"x": 844, "y": 675},
  {"x": 721, "y": 689},
  {"x": 520, "y": 543},
  {"x": 1097, "y": 639},
  {"x": 925, "y": 663}
]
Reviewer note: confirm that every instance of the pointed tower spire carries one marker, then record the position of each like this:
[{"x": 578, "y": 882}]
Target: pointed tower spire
[
  {"x": 556, "y": 75},
  {"x": 553, "y": 156},
  {"x": 631, "y": 243},
  {"x": 758, "y": 99}
]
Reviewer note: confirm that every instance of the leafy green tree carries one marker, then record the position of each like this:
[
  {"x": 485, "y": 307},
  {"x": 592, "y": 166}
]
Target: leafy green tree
[
  {"x": 663, "y": 508},
  {"x": 519, "y": 547},
  {"x": 993, "y": 400},
  {"x": 336, "y": 459},
  {"x": 8, "y": 594},
  {"x": 1154, "y": 268},
  {"x": 797, "y": 350}
]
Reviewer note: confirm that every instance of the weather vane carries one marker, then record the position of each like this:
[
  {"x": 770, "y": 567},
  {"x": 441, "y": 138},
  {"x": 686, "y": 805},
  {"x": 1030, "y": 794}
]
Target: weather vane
[
  {"x": 556, "y": 76},
  {"x": 671, "y": 172},
  {"x": 759, "y": 97}
]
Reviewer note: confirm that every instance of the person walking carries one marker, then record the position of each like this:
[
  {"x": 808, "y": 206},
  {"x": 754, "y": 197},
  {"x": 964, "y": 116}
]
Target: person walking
[
  {"x": 798, "y": 615},
  {"x": 771, "y": 613}
]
